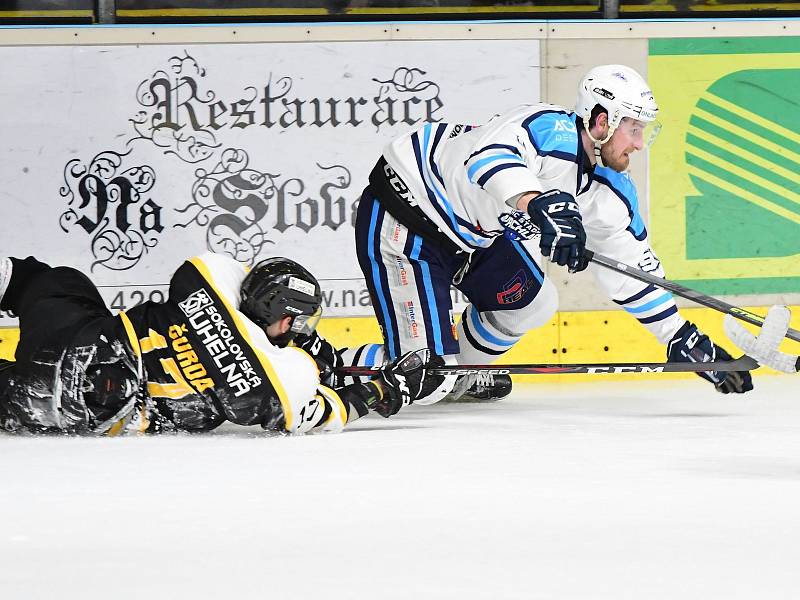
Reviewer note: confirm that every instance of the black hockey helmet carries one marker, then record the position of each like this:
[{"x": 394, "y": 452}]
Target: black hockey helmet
[{"x": 278, "y": 287}]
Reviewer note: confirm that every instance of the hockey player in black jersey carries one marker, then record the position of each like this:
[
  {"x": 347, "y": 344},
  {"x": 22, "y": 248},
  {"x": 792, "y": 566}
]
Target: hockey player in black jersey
[{"x": 219, "y": 349}]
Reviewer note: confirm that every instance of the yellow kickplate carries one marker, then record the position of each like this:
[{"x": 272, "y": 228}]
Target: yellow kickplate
[
  {"x": 570, "y": 337},
  {"x": 581, "y": 337}
]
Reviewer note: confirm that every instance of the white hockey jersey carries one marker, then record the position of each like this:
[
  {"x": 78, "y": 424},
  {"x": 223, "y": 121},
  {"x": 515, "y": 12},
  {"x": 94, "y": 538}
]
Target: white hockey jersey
[
  {"x": 463, "y": 177},
  {"x": 614, "y": 228}
]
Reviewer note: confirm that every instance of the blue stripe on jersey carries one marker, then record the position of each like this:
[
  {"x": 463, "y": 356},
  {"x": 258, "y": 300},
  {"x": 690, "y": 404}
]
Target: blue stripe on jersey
[
  {"x": 537, "y": 272},
  {"x": 441, "y": 128},
  {"x": 488, "y": 174},
  {"x": 665, "y": 297},
  {"x": 369, "y": 360},
  {"x": 372, "y": 242},
  {"x": 662, "y": 315},
  {"x": 443, "y": 208},
  {"x": 430, "y": 187},
  {"x": 429, "y": 297},
  {"x": 479, "y": 328},
  {"x": 415, "y": 142},
  {"x": 479, "y": 164},
  {"x": 436, "y": 139},
  {"x": 623, "y": 188},
  {"x": 553, "y": 133},
  {"x": 639, "y": 295},
  {"x": 511, "y": 149}
]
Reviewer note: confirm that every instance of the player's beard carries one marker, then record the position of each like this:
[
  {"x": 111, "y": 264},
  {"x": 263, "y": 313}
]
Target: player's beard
[
  {"x": 617, "y": 161},
  {"x": 282, "y": 340}
]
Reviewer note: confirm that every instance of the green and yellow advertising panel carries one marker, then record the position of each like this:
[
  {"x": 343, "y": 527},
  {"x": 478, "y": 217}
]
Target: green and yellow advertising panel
[{"x": 725, "y": 170}]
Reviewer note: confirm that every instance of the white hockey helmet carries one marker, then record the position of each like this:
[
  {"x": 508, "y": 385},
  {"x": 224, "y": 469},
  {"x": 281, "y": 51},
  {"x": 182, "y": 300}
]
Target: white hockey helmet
[{"x": 621, "y": 91}]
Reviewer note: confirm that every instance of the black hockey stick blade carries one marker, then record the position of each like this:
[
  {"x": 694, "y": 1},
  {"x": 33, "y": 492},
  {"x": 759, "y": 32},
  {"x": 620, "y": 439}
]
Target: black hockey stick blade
[
  {"x": 684, "y": 292},
  {"x": 743, "y": 363}
]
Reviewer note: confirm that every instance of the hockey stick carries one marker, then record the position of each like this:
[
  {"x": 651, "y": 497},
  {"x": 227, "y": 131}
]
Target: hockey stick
[
  {"x": 743, "y": 363},
  {"x": 684, "y": 292},
  {"x": 764, "y": 346},
  {"x": 532, "y": 231}
]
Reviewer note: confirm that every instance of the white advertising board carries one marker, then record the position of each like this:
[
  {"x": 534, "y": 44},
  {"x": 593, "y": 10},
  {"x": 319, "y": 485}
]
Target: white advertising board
[{"x": 124, "y": 160}]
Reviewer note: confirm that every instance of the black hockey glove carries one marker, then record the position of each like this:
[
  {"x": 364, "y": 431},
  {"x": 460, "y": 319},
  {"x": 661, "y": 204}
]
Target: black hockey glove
[
  {"x": 690, "y": 345},
  {"x": 406, "y": 379},
  {"x": 328, "y": 358},
  {"x": 562, "y": 236}
]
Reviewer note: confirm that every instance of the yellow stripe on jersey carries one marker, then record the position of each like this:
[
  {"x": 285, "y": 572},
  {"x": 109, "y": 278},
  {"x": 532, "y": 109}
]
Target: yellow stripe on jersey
[
  {"x": 262, "y": 357},
  {"x": 336, "y": 404},
  {"x": 153, "y": 341},
  {"x": 131, "y": 332},
  {"x": 176, "y": 390}
]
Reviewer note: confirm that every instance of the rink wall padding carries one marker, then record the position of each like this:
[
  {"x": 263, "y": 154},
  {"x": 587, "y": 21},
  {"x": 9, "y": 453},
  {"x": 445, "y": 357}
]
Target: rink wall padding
[
  {"x": 570, "y": 337},
  {"x": 128, "y": 149},
  {"x": 582, "y": 337}
]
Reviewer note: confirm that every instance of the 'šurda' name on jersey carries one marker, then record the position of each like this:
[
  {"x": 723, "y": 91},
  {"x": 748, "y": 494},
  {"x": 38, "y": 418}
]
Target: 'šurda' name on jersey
[
  {"x": 190, "y": 365},
  {"x": 219, "y": 341}
]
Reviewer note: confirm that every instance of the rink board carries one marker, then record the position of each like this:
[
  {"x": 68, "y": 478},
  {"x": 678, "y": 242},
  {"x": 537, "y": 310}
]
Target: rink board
[
  {"x": 247, "y": 181},
  {"x": 569, "y": 337},
  {"x": 149, "y": 144},
  {"x": 582, "y": 337}
]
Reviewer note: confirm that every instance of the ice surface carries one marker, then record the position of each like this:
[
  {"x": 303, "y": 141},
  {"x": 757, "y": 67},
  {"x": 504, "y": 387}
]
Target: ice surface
[{"x": 643, "y": 490}]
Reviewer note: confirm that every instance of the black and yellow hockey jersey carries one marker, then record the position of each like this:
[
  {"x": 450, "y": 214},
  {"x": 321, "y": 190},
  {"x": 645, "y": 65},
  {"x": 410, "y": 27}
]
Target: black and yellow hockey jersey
[{"x": 205, "y": 362}]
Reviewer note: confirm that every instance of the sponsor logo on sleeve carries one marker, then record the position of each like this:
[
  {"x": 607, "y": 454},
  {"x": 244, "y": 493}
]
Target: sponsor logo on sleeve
[
  {"x": 565, "y": 131},
  {"x": 565, "y": 125}
]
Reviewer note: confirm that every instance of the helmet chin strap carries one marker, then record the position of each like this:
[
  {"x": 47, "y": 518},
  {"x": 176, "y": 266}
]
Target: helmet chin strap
[{"x": 598, "y": 143}]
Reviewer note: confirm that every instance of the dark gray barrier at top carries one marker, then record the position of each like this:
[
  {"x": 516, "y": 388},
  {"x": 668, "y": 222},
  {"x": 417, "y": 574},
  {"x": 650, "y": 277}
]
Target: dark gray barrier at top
[{"x": 195, "y": 11}]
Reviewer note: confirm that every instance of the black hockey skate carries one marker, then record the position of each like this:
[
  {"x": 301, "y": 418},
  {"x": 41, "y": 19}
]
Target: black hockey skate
[{"x": 484, "y": 388}]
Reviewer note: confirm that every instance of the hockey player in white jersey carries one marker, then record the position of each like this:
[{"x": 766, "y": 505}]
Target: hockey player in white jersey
[
  {"x": 452, "y": 205},
  {"x": 217, "y": 350}
]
